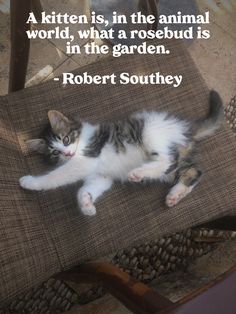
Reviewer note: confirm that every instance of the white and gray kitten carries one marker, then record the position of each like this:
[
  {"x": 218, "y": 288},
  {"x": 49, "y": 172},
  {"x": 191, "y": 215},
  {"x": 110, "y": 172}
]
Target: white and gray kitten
[{"x": 146, "y": 145}]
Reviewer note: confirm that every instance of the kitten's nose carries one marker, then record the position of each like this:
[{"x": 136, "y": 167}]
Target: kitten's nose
[{"x": 69, "y": 154}]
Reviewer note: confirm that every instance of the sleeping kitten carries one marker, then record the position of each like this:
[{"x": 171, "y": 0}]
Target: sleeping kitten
[{"x": 146, "y": 145}]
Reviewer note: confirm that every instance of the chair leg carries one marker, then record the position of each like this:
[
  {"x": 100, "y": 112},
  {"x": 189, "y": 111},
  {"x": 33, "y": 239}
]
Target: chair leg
[
  {"x": 37, "y": 9},
  {"x": 20, "y": 44},
  {"x": 153, "y": 10},
  {"x": 135, "y": 295}
]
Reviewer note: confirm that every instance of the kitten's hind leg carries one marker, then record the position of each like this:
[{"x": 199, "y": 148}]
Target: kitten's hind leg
[
  {"x": 150, "y": 170},
  {"x": 93, "y": 187},
  {"x": 188, "y": 178}
]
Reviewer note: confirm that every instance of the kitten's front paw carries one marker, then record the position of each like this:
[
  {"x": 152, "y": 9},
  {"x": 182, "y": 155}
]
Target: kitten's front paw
[
  {"x": 86, "y": 204},
  {"x": 29, "y": 183},
  {"x": 136, "y": 175}
]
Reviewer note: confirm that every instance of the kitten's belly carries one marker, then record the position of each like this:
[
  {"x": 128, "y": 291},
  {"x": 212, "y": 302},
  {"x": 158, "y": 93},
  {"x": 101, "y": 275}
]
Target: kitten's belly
[{"x": 118, "y": 165}]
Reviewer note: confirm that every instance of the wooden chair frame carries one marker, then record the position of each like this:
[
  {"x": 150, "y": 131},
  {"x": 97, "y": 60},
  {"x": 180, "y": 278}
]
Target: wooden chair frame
[
  {"x": 217, "y": 297},
  {"x": 136, "y": 296},
  {"x": 20, "y": 44}
]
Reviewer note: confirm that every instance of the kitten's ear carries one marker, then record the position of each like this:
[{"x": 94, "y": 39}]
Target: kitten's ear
[
  {"x": 58, "y": 121},
  {"x": 37, "y": 145}
]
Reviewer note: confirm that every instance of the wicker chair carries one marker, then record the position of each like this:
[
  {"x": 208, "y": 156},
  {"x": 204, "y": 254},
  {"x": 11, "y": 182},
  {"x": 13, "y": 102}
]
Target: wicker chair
[{"x": 43, "y": 234}]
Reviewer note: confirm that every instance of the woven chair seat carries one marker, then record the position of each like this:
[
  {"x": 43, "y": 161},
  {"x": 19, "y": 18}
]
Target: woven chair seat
[{"x": 44, "y": 232}]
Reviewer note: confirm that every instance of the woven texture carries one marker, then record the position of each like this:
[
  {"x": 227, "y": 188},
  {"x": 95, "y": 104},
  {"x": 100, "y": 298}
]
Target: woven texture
[
  {"x": 44, "y": 232},
  {"x": 230, "y": 113},
  {"x": 26, "y": 250},
  {"x": 148, "y": 261}
]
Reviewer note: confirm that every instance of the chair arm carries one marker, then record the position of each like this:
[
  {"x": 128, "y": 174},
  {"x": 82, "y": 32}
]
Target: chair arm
[{"x": 135, "y": 295}]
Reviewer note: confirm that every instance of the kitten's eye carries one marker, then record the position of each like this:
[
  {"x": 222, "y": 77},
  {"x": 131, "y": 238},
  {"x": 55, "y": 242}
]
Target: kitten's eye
[
  {"x": 66, "y": 140},
  {"x": 56, "y": 152}
]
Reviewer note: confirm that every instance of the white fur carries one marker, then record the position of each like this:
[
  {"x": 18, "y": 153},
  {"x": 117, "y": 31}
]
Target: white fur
[
  {"x": 87, "y": 132},
  {"x": 117, "y": 166},
  {"x": 177, "y": 193},
  {"x": 94, "y": 186},
  {"x": 159, "y": 134}
]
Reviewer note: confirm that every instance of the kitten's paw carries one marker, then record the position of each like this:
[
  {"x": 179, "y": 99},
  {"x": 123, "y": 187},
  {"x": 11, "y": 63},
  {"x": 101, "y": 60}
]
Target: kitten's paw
[
  {"x": 176, "y": 194},
  {"x": 86, "y": 204},
  {"x": 136, "y": 175},
  {"x": 91, "y": 211},
  {"x": 172, "y": 200},
  {"x": 29, "y": 183}
]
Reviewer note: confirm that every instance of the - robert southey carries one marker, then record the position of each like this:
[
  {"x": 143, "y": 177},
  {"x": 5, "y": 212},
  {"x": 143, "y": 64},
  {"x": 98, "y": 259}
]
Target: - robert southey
[{"x": 123, "y": 78}]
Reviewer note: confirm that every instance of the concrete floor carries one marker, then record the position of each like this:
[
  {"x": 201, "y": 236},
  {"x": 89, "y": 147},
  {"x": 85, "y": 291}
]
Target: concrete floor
[{"x": 215, "y": 59}]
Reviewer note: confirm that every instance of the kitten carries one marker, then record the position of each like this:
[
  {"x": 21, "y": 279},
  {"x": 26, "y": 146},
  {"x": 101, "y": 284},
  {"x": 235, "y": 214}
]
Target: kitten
[{"x": 146, "y": 145}]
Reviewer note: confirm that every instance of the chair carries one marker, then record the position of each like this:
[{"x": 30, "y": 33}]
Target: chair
[
  {"x": 20, "y": 45},
  {"x": 43, "y": 234}
]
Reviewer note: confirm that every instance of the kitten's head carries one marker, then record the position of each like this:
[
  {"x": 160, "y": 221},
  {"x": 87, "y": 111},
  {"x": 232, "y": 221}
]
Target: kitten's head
[{"x": 59, "y": 140}]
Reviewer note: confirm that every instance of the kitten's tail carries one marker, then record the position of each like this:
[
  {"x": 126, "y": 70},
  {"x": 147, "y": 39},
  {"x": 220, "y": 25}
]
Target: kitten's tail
[{"x": 206, "y": 127}]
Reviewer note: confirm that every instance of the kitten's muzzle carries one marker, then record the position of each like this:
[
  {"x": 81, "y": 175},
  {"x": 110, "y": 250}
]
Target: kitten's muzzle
[{"x": 69, "y": 154}]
